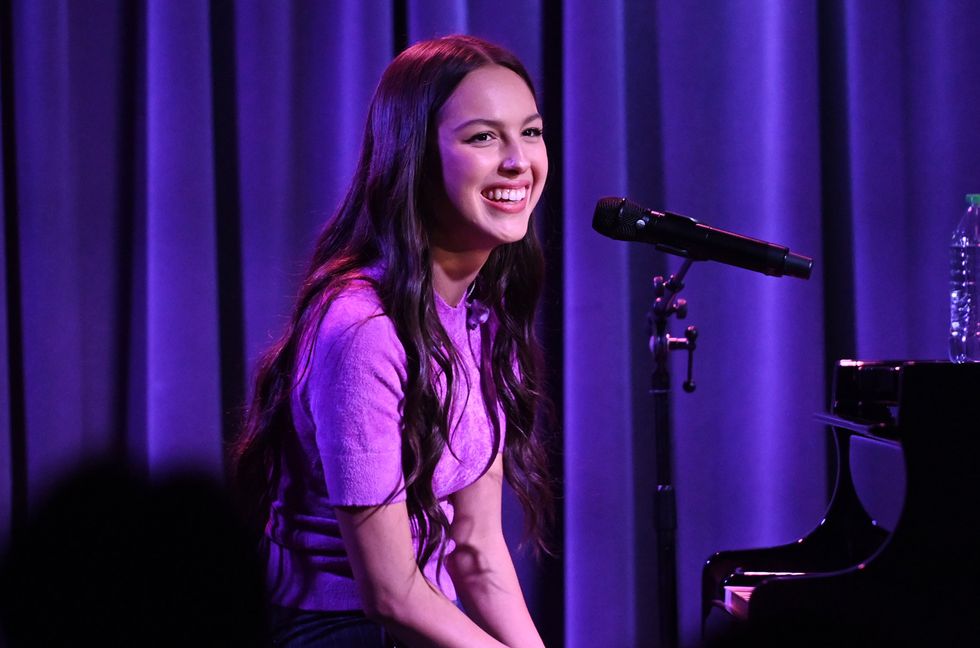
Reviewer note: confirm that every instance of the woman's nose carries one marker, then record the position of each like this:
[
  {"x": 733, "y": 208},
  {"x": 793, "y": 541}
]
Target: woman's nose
[{"x": 515, "y": 161}]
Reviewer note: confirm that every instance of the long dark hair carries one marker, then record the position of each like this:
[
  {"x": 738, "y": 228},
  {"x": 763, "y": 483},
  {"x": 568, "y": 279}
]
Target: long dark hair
[{"x": 382, "y": 223}]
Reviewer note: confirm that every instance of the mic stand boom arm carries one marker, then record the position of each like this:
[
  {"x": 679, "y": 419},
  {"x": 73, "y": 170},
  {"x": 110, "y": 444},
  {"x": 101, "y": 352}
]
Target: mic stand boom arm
[{"x": 665, "y": 304}]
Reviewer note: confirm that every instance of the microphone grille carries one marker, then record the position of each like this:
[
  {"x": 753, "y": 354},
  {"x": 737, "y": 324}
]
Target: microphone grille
[{"x": 616, "y": 218}]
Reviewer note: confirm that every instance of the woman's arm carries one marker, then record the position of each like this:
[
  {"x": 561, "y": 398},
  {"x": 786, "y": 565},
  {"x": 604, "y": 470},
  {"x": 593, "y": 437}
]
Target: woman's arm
[
  {"x": 394, "y": 592},
  {"x": 481, "y": 565}
]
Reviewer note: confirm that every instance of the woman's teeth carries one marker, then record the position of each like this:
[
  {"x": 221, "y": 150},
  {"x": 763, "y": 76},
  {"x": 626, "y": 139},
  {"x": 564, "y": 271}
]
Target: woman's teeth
[{"x": 505, "y": 195}]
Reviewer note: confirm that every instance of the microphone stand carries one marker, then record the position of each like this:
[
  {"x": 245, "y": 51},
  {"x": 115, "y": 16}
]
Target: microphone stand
[{"x": 666, "y": 304}]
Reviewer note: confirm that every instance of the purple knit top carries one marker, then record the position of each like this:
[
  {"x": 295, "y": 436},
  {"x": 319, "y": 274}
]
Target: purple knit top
[{"x": 346, "y": 449}]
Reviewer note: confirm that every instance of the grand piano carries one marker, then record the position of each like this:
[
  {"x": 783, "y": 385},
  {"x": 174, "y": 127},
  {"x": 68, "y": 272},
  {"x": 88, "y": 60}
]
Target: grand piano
[{"x": 854, "y": 580}]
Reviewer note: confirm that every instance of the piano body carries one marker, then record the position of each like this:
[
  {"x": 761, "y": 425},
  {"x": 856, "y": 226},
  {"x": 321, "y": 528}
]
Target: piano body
[{"x": 851, "y": 581}]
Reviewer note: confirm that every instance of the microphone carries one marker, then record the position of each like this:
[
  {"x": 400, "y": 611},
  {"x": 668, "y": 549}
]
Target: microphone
[{"x": 624, "y": 220}]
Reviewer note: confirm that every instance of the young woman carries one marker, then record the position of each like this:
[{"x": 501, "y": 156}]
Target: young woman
[{"x": 407, "y": 384}]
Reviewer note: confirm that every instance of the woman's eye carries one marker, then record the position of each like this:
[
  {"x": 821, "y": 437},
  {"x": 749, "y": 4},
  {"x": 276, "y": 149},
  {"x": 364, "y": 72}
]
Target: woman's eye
[
  {"x": 485, "y": 136},
  {"x": 533, "y": 132}
]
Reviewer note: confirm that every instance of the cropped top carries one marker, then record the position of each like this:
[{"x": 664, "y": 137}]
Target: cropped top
[{"x": 346, "y": 449}]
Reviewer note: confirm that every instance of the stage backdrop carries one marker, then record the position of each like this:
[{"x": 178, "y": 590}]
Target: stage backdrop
[{"x": 167, "y": 163}]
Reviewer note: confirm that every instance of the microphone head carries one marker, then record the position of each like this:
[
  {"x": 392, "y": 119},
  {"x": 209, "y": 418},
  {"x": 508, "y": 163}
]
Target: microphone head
[{"x": 616, "y": 218}]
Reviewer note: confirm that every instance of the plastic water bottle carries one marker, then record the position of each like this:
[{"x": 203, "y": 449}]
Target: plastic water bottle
[{"x": 964, "y": 293}]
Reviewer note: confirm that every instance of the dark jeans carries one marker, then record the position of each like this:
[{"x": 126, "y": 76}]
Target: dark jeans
[{"x": 311, "y": 629}]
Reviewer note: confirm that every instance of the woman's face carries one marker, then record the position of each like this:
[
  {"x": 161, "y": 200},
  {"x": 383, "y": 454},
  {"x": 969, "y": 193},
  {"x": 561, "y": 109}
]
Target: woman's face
[{"x": 494, "y": 162}]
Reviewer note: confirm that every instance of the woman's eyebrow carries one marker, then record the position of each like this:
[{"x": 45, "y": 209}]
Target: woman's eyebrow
[{"x": 493, "y": 122}]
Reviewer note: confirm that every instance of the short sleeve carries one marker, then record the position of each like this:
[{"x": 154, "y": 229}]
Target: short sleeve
[{"x": 355, "y": 395}]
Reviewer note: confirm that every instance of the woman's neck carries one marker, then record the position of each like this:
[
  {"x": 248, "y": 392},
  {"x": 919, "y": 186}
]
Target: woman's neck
[{"x": 453, "y": 272}]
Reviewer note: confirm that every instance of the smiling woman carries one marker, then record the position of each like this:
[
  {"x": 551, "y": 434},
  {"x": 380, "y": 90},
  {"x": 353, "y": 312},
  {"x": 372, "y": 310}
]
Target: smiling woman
[
  {"x": 406, "y": 387},
  {"x": 493, "y": 163}
]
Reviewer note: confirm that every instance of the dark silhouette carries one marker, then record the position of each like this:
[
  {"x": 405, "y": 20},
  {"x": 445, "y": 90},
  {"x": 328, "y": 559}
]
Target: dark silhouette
[{"x": 112, "y": 558}]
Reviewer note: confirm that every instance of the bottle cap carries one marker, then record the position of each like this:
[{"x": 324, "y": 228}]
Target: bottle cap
[{"x": 973, "y": 199}]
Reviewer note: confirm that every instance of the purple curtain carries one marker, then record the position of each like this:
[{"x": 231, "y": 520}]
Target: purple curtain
[
  {"x": 6, "y": 449},
  {"x": 166, "y": 166},
  {"x": 741, "y": 123}
]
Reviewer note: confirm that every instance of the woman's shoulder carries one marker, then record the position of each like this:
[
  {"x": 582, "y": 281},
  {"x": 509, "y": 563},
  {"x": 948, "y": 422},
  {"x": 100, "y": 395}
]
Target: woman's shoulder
[
  {"x": 356, "y": 317},
  {"x": 356, "y": 300}
]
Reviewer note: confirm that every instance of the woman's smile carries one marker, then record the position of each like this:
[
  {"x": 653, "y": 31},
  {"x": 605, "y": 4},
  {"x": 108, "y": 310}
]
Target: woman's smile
[{"x": 507, "y": 198}]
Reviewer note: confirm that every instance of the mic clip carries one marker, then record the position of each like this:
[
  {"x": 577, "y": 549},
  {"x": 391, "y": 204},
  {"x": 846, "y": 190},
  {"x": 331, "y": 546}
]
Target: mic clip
[{"x": 668, "y": 303}]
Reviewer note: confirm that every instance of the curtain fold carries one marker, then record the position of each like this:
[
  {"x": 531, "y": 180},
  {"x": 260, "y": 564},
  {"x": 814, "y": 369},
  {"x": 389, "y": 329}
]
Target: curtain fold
[
  {"x": 597, "y": 418},
  {"x": 183, "y": 366},
  {"x": 65, "y": 268},
  {"x": 167, "y": 166},
  {"x": 741, "y": 116},
  {"x": 6, "y": 431}
]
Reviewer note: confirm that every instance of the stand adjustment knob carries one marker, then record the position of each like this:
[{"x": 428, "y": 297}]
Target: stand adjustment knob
[
  {"x": 691, "y": 333},
  {"x": 681, "y": 308}
]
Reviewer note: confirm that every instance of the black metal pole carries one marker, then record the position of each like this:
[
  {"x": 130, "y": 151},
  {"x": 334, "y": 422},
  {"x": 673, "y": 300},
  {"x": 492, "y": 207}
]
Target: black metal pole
[
  {"x": 666, "y": 511},
  {"x": 665, "y": 305}
]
